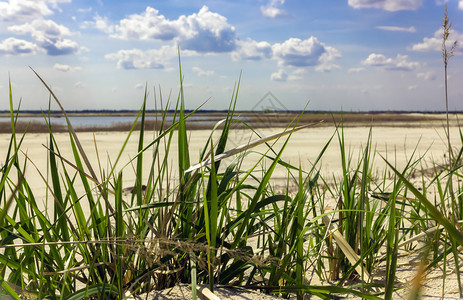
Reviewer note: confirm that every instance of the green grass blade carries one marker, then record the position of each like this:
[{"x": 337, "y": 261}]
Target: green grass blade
[
  {"x": 119, "y": 235},
  {"x": 139, "y": 171},
  {"x": 435, "y": 213},
  {"x": 10, "y": 292},
  {"x": 248, "y": 146},
  {"x": 328, "y": 291},
  {"x": 211, "y": 220},
  {"x": 259, "y": 193},
  {"x": 94, "y": 290},
  {"x": 300, "y": 220},
  {"x": 391, "y": 253},
  {"x": 4, "y": 210}
]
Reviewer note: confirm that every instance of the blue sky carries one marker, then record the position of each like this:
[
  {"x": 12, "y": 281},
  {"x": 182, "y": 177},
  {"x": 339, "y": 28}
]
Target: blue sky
[{"x": 351, "y": 55}]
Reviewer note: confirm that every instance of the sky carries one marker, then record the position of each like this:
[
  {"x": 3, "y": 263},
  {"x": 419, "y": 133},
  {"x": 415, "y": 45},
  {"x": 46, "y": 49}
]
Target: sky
[{"x": 349, "y": 55}]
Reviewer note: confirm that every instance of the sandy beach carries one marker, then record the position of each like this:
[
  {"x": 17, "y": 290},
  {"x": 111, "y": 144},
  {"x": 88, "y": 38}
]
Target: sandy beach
[{"x": 396, "y": 144}]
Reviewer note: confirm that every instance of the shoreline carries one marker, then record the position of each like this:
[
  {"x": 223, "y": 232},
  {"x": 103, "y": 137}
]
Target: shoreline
[{"x": 256, "y": 120}]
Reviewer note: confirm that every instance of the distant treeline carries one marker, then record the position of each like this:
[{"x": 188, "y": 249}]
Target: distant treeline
[{"x": 128, "y": 111}]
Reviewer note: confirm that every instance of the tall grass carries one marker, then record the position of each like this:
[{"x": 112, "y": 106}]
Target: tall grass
[{"x": 212, "y": 221}]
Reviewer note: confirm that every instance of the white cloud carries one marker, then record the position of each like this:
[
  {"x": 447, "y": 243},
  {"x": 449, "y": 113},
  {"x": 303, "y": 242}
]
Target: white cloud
[
  {"x": 54, "y": 3},
  {"x": 326, "y": 58},
  {"x": 22, "y": 10},
  {"x": 80, "y": 85},
  {"x": 61, "y": 47},
  {"x": 299, "y": 53},
  {"x": 147, "y": 25},
  {"x": 252, "y": 50},
  {"x": 435, "y": 43},
  {"x": 41, "y": 30},
  {"x": 428, "y": 44},
  {"x": 13, "y": 46},
  {"x": 279, "y": 76},
  {"x": 204, "y": 31},
  {"x": 200, "y": 72},
  {"x": 399, "y": 63},
  {"x": 426, "y": 75},
  {"x": 297, "y": 74},
  {"x": 102, "y": 23},
  {"x": 389, "y": 5},
  {"x": 303, "y": 53},
  {"x": 65, "y": 68},
  {"x": 271, "y": 10},
  {"x": 139, "y": 59},
  {"x": 412, "y": 87},
  {"x": 460, "y": 4},
  {"x": 15, "y": 10},
  {"x": 140, "y": 86},
  {"x": 209, "y": 32},
  {"x": 397, "y": 28},
  {"x": 355, "y": 70},
  {"x": 85, "y": 10},
  {"x": 49, "y": 36},
  {"x": 282, "y": 76}
]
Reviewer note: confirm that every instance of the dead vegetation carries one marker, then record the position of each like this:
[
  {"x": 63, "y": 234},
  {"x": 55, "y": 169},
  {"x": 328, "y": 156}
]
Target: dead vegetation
[{"x": 254, "y": 120}]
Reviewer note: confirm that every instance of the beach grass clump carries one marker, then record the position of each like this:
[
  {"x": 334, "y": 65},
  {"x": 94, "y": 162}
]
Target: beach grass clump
[{"x": 93, "y": 240}]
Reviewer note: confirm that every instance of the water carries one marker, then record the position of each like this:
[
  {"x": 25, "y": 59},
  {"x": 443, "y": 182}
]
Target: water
[{"x": 104, "y": 120}]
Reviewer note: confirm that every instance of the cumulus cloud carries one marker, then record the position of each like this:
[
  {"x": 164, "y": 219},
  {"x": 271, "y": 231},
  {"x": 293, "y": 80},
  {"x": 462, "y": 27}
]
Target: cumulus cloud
[
  {"x": 41, "y": 29},
  {"x": 204, "y": 31},
  {"x": 48, "y": 35},
  {"x": 271, "y": 10},
  {"x": 65, "y": 68},
  {"x": 23, "y": 10},
  {"x": 303, "y": 53},
  {"x": 326, "y": 58},
  {"x": 102, "y": 23},
  {"x": 279, "y": 76},
  {"x": 299, "y": 53},
  {"x": 139, "y": 59},
  {"x": 399, "y": 63},
  {"x": 397, "y": 28},
  {"x": 252, "y": 50},
  {"x": 460, "y": 4},
  {"x": 208, "y": 32},
  {"x": 60, "y": 47},
  {"x": 428, "y": 44},
  {"x": 145, "y": 26},
  {"x": 389, "y": 5},
  {"x": 435, "y": 43},
  {"x": 202, "y": 73},
  {"x": 13, "y": 46}
]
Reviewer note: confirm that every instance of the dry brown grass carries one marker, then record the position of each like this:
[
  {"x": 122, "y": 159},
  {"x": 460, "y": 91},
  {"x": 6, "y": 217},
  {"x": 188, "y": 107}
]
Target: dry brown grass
[{"x": 256, "y": 120}]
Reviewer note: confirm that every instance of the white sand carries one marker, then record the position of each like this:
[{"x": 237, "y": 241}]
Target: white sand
[{"x": 397, "y": 144}]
